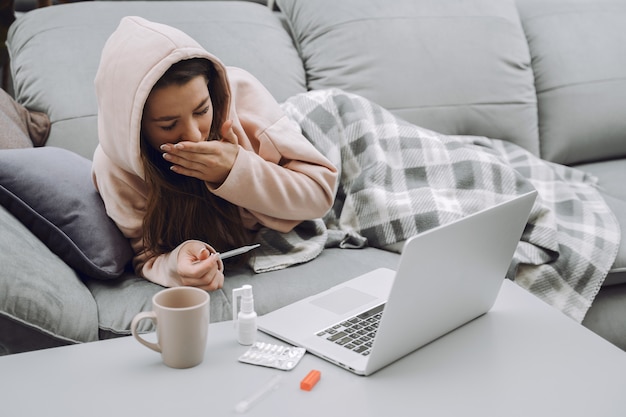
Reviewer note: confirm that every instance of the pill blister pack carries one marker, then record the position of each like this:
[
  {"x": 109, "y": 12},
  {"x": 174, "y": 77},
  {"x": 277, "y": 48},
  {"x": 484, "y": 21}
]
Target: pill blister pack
[{"x": 273, "y": 356}]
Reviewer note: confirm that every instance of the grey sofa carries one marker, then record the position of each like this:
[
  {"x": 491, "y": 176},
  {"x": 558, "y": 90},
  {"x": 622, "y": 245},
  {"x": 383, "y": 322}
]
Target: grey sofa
[{"x": 549, "y": 75}]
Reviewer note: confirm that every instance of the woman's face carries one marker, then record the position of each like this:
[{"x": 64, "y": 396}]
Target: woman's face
[{"x": 177, "y": 113}]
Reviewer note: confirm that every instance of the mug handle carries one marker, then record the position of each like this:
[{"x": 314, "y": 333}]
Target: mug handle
[{"x": 151, "y": 315}]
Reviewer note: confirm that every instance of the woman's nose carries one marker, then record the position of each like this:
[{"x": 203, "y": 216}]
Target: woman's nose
[{"x": 193, "y": 133}]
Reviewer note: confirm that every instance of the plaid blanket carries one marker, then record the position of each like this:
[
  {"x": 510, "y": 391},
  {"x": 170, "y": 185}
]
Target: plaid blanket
[{"x": 397, "y": 180}]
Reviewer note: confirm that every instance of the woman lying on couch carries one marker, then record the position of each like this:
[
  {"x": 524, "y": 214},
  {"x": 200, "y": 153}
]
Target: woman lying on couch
[{"x": 176, "y": 176}]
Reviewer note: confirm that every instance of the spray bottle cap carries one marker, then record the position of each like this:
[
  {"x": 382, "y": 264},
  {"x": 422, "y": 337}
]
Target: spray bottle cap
[
  {"x": 247, "y": 300},
  {"x": 245, "y": 321}
]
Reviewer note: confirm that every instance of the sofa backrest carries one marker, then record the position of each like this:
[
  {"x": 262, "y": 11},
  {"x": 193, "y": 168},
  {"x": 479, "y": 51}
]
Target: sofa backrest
[{"x": 547, "y": 75}]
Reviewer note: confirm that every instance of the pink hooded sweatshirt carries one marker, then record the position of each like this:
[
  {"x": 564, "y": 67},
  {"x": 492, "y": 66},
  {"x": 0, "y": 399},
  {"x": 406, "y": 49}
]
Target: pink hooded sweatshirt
[{"x": 277, "y": 180}]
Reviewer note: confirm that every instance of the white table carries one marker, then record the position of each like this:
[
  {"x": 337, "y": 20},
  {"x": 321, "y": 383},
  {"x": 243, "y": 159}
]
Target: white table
[{"x": 521, "y": 359}]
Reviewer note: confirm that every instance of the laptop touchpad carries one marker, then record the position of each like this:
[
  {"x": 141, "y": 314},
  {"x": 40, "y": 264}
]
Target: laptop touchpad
[{"x": 343, "y": 300}]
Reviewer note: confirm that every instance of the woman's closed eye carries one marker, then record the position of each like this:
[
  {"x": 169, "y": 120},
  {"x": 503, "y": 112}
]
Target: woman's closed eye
[
  {"x": 172, "y": 125},
  {"x": 169, "y": 127},
  {"x": 203, "y": 111}
]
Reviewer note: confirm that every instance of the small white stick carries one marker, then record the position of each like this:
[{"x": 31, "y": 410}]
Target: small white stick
[
  {"x": 238, "y": 251},
  {"x": 247, "y": 403}
]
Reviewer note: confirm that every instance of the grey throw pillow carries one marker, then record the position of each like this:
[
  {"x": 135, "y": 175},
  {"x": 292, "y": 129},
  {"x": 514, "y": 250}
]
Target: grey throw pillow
[{"x": 50, "y": 191}]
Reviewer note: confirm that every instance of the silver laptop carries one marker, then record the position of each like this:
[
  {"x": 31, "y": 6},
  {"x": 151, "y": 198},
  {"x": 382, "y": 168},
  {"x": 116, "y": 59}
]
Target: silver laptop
[{"x": 447, "y": 276}]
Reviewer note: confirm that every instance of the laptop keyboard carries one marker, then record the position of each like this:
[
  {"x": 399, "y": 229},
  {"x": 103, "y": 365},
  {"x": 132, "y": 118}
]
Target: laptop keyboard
[{"x": 356, "y": 333}]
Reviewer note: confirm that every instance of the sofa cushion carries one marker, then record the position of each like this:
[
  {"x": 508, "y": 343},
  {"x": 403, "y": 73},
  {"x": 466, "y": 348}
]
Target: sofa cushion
[
  {"x": 50, "y": 190},
  {"x": 40, "y": 292},
  {"x": 119, "y": 301},
  {"x": 444, "y": 65},
  {"x": 578, "y": 50},
  {"x": 610, "y": 176},
  {"x": 606, "y": 315},
  {"x": 44, "y": 45}
]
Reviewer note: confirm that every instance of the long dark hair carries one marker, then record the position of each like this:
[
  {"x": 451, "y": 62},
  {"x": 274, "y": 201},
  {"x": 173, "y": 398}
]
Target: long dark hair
[{"x": 181, "y": 208}]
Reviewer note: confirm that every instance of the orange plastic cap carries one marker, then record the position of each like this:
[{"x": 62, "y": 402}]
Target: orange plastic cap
[{"x": 310, "y": 380}]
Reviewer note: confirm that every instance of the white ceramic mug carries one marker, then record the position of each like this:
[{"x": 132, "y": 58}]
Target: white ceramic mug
[{"x": 181, "y": 315}]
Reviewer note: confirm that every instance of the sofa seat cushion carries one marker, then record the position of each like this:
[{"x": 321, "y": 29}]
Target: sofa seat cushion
[
  {"x": 611, "y": 184},
  {"x": 46, "y": 43},
  {"x": 606, "y": 315},
  {"x": 450, "y": 66},
  {"x": 578, "y": 50},
  {"x": 39, "y": 294},
  {"x": 119, "y": 301}
]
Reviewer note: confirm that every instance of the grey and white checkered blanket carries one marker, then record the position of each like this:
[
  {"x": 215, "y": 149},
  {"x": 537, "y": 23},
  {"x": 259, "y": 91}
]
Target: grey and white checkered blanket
[{"x": 397, "y": 179}]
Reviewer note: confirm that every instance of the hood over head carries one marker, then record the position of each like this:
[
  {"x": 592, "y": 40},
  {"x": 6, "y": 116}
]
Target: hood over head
[{"x": 133, "y": 59}]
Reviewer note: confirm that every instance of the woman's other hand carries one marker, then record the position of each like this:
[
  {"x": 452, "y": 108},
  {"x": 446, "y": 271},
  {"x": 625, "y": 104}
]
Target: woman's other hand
[{"x": 199, "y": 267}]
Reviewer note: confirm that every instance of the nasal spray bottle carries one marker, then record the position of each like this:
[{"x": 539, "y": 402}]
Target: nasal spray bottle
[{"x": 245, "y": 320}]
